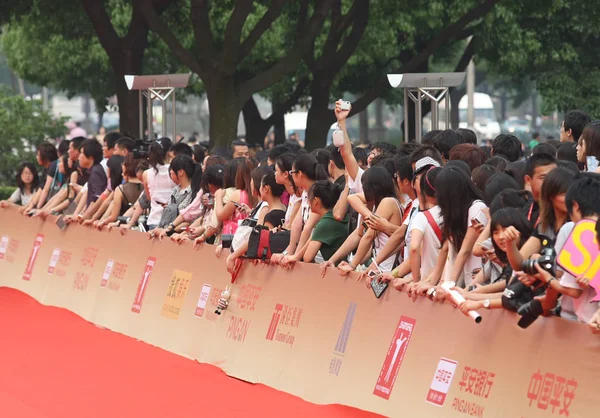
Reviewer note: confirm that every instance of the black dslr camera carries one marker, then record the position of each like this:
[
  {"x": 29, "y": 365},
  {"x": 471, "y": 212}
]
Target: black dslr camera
[
  {"x": 519, "y": 298},
  {"x": 141, "y": 148}
]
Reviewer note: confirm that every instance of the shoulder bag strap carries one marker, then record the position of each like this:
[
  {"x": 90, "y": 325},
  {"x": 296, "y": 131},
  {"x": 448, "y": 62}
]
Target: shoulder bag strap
[{"x": 433, "y": 224}]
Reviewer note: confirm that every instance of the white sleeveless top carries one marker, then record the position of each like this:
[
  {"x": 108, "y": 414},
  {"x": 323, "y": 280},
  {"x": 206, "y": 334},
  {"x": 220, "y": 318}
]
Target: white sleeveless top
[
  {"x": 380, "y": 240},
  {"x": 161, "y": 187}
]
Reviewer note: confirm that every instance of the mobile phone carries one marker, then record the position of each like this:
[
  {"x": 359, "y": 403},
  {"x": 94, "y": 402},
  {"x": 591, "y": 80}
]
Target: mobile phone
[
  {"x": 237, "y": 205},
  {"x": 484, "y": 245},
  {"x": 60, "y": 222},
  {"x": 378, "y": 287},
  {"x": 479, "y": 219}
]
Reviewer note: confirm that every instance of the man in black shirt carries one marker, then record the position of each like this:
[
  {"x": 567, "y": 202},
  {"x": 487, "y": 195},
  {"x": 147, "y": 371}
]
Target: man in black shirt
[{"x": 89, "y": 159}]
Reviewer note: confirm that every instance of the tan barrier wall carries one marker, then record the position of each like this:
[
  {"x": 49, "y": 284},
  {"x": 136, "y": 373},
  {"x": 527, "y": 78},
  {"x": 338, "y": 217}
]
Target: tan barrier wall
[{"x": 326, "y": 340}]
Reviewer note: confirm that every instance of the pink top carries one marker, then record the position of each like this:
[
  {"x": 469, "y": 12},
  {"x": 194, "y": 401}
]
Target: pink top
[
  {"x": 231, "y": 224},
  {"x": 193, "y": 211}
]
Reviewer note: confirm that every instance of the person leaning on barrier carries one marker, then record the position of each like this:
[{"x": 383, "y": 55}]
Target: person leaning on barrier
[{"x": 583, "y": 202}]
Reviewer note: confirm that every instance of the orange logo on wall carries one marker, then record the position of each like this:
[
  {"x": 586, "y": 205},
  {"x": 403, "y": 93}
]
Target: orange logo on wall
[
  {"x": 139, "y": 296},
  {"x": 37, "y": 244},
  {"x": 284, "y": 316},
  {"x": 178, "y": 287},
  {"x": 393, "y": 359}
]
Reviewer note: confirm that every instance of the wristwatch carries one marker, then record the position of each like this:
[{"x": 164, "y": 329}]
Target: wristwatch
[
  {"x": 486, "y": 304},
  {"x": 284, "y": 252}
]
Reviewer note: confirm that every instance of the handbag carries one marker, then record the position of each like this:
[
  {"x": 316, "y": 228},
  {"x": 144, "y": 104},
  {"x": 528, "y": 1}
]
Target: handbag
[
  {"x": 263, "y": 243},
  {"x": 242, "y": 233}
]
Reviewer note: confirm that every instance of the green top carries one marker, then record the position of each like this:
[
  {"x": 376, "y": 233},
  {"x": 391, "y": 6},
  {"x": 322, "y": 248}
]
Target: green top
[{"x": 330, "y": 233}]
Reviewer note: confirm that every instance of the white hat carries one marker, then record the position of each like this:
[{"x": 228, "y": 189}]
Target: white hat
[{"x": 425, "y": 162}]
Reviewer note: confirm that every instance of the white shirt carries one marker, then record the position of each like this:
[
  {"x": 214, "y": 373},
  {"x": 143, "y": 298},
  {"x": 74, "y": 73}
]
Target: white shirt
[
  {"x": 293, "y": 200},
  {"x": 104, "y": 164},
  {"x": 355, "y": 184},
  {"x": 160, "y": 187},
  {"x": 408, "y": 222},
  {"x": 430, "y": 249},
  {"x": 581, "y": 308}
]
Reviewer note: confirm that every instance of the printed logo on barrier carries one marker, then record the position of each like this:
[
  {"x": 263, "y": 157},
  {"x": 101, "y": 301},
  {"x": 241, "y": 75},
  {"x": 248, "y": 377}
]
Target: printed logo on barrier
[
  {"x": 3, "y": 246},
  {"x": 178, "y": 287},
  {"x": 37, "y": 244},
  {"x": 107, "y": 270},
  {"x": 139, "y": 296},
  {"x": 54, "y": 260},
  {"x": 550, "y": 391},
  {"x": 477, "y": 383},
  {"x": 393, "y": 359},
  {"x": 442, "y": 379},
  {"x": 202, "y": 300},
  {"x": 284, "y": 316},
  {"x": 238, "y": 328},
  {"x": 340, "y": 347}
]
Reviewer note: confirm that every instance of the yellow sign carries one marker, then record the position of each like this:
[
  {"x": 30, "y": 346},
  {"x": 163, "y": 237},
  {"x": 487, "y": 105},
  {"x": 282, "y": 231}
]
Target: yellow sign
[{"x": 178, "y": 287}]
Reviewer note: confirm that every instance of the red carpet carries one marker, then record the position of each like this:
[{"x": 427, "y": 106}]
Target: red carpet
[{"x": 54, "y": 364}]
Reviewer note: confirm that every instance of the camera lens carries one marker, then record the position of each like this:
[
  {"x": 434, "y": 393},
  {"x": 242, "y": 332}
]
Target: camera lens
[{"x": 528, "y": 266}]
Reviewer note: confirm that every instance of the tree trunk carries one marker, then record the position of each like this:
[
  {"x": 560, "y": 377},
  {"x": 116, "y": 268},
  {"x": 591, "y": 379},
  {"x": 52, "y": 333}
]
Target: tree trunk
[
  {"x": 256, "y": 127},
  {"x": 318, "y": 120},
  {"x": 224, "y": 111},
  {"x": 363, "y": 123},
  {"x": 455, "y": 96},
  {"x": 279, "y": 128},
  {"x": 128, "y": 107}
]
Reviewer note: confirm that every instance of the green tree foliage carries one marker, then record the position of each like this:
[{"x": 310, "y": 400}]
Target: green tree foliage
[
  {"x": 553, "y": 43},
  {"x": 23, "y": 126}
]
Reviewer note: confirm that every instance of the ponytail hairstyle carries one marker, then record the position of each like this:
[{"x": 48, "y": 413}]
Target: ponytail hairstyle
[
  {"x": 186, "y": 163},
  {"x": 428, "y": 181},
  {"x": 328, "y": 192},
  {"x": 269, "y": 180},
  {"x": 257, "y": 175},
  {"x": 157, "y": 154},
  {"x": 309, "y": 165},
  {"x": 213, "y": 175},
  {"x": 243, "y": 177},
  {"x": 285, "y": 162}
]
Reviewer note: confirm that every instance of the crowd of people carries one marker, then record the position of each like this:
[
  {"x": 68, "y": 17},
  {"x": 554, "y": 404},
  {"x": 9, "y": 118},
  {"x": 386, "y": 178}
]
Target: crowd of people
[{"x": 435, "y": 219}]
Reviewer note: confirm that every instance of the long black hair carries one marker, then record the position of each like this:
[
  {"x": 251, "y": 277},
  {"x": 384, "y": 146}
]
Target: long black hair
[
  {"x": 231, "y": 170},
  {"x": 285, "y": 162},
  {"x": 503, "y": 218},
  {"x": 309, "y": 165},
  {"x": 157, "y": 153},
  {"x": 186, "y": 163},
  {"x": 556, "y": 182},
  {"x": 35, "y": 180},
  {"x": 213, "y": 175},
  {"x": 455, "y": 195},
  {"x": 328, "y": 192},
  {"x": 377, "y": 184}
]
